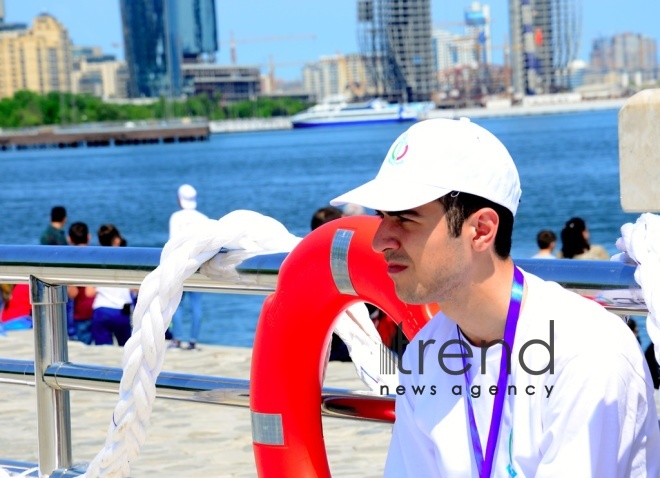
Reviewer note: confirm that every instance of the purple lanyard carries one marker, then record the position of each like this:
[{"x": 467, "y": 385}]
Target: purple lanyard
[{"x": 485, "y": 466}]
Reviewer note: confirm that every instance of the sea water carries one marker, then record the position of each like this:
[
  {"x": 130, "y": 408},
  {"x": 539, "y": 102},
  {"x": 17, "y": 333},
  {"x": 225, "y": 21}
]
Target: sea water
[{"x": 568, "y": 166}]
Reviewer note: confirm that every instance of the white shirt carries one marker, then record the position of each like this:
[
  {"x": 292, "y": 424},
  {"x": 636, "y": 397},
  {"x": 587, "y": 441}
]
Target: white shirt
[
  {"x": 181, "y": 221},
  {"x": 112, "y": 297},
  {"x": 542, "y": 255},
  {"x": 599, "y": 419}
]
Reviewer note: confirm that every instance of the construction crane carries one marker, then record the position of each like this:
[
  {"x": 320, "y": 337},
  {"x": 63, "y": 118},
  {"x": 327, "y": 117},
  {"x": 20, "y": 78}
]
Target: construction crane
[{"x": 233, "y": 42}]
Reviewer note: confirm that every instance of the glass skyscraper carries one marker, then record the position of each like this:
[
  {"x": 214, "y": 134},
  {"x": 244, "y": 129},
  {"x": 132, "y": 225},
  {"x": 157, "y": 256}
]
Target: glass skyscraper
[
  {"x": 197, "y": 27},
  {"x": 159, "y": 35}
]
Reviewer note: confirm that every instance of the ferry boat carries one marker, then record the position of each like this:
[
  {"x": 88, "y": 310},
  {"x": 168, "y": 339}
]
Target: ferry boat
[{"x": 338, "y": 113}]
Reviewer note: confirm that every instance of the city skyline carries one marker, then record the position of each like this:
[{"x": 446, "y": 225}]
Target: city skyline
[{"x": 333, "y": 24}]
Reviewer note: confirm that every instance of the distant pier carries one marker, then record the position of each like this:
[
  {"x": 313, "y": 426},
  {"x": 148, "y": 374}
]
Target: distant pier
[{"x": 105, "y": 134}]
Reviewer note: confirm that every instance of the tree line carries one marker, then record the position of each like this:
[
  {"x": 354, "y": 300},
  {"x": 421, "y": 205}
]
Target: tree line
[{"x": 27, "y": 108}]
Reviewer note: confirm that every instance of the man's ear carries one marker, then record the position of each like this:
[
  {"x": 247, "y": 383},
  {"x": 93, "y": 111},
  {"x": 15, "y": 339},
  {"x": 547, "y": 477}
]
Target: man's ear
[{"x": 485, "y": 223}]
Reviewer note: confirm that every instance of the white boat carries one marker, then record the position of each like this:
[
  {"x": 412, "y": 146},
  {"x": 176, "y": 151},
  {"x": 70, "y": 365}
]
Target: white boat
[{"x": 337, "y": 113}]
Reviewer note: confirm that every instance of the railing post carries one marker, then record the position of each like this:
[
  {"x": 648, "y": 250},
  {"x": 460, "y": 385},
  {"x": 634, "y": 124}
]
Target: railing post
[{"x": 50, "y": 346}]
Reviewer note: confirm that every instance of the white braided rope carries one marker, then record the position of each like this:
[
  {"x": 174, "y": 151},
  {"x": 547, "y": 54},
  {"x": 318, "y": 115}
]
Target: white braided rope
[
  {"x": 245, "y": 232},
  {"x": 640, "y": 245},
  {"x": 144, "y": 353}
]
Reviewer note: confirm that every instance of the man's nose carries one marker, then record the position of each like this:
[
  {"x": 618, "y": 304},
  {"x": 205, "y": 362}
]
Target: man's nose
[{"x": 384, "y": 240}]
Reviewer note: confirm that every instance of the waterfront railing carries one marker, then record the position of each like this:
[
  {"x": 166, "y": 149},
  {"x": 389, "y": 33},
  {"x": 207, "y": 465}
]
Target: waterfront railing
[{"x": 49, "y": 269}]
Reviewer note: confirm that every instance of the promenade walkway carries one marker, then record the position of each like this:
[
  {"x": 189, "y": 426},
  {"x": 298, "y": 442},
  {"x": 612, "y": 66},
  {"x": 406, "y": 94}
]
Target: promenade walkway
[{"x": 184, "y": 439}]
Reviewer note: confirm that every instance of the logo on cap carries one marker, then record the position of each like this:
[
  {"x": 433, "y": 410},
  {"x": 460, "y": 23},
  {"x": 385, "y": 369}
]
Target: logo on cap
[{"x": 399, "y": 150}]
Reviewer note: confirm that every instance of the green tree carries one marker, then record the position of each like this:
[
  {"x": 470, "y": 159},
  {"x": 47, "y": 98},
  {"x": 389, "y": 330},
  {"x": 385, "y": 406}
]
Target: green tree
[{"x": 27, "y": 108}]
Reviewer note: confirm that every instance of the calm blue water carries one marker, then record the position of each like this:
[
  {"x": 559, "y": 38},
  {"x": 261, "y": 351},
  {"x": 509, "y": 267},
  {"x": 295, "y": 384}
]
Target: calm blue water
[{"x": 568, "y": 165}]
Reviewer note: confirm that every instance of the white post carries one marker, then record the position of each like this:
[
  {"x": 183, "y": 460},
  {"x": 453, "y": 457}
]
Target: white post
[{"x": 639, "y": 152}]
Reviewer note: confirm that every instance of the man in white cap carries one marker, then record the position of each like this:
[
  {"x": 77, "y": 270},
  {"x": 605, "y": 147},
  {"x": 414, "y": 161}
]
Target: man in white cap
[
  {"x": 180, "y": 223},
  {"x": 515, "y": 376}
]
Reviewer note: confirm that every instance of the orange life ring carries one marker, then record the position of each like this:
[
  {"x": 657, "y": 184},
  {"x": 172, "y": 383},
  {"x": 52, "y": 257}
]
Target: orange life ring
[{"x": 332, "y": 268}]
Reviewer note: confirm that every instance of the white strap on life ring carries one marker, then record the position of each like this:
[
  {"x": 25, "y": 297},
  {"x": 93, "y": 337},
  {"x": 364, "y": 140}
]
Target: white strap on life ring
[
  {"x": 366, "y": 348},
  {"x": 640, "y": 245}
]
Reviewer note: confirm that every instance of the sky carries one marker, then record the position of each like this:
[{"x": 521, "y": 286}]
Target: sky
[{"x": 314, "y": 27}]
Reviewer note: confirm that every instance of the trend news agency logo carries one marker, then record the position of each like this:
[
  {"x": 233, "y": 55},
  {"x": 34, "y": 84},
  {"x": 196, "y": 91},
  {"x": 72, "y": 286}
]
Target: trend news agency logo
[{"x": 457, "y": 348}]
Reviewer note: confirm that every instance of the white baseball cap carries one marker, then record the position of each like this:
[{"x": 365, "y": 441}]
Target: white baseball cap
[
  {"x": 435, "y": 157},
  {"x": 187, "y": 196}
]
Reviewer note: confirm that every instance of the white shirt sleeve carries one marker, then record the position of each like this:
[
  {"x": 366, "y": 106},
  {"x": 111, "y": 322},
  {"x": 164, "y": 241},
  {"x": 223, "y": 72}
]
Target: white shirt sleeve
[
  {"x": 411, "y": 452},
  {"x": 596, "y": 421}
]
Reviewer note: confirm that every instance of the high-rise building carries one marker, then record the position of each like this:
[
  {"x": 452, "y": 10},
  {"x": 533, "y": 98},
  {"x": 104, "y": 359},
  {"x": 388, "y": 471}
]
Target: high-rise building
[
  {"x": 98, "y": 74},
  {"x": 452, "y": 50},
  {"x": 477, "y": 26},
  {"x": 600, "y": 57},
  {"x": 395, "y": 40},
  {"x": 37, "y": 59},
  {"x": 626, "y": 54},
  {"x": 634, "y": 52},
  {"x": 152, "y": 47},
  {"x": 159, "y": 35},
  {"x": 545, "y": 39},
  {"x": 357, "y": 79},
  {"x": 198, "y": 30},
  {"x": 337, "y": 76}
]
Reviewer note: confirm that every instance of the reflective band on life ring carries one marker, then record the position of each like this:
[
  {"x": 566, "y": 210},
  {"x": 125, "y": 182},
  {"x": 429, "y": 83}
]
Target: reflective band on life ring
[{"x": 332, "y": 268}]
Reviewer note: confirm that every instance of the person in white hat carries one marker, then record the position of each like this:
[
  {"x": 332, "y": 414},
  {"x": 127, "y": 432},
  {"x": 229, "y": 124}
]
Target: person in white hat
[
  {"x": 180, "y": 223},
  {"x": 515, "y": 376}
]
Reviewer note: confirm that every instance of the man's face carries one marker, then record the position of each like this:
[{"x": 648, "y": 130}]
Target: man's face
[{"x": 425, "y": 262}]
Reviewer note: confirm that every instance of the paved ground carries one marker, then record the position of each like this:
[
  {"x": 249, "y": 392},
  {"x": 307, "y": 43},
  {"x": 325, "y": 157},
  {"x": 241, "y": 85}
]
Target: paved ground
[{"x": 184, "y": 439}]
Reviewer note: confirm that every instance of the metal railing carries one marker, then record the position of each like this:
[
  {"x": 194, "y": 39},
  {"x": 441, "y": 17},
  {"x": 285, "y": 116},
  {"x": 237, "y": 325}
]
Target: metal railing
[{"x": 49, "y": 269}]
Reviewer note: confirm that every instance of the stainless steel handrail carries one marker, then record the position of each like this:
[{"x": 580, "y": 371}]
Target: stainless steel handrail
[
  {"x": 49, "y": 268},
  {"x": 127, "y": 267},
  {"x": 170, "y": 385},
  {"x": 21, "y": 468},
  {"x": 614, "y": 282}
]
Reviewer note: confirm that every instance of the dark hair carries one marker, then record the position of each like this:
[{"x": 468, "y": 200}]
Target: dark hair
[
  {"x": 79, "y": 233},
  {"x": 545, "y": 237},
  {"x": 459, "y": 206},
  {"x": 572, "y": 238},
  {"x": 107, "y": 234},
  {"x": 57, "y": 214},
  {"x": 325, "y": 214}
]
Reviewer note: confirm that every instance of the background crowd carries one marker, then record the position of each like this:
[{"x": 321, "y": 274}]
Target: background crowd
[
  {"x": 101, "y": 315},
  {"x": 574, "y": 243}
]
